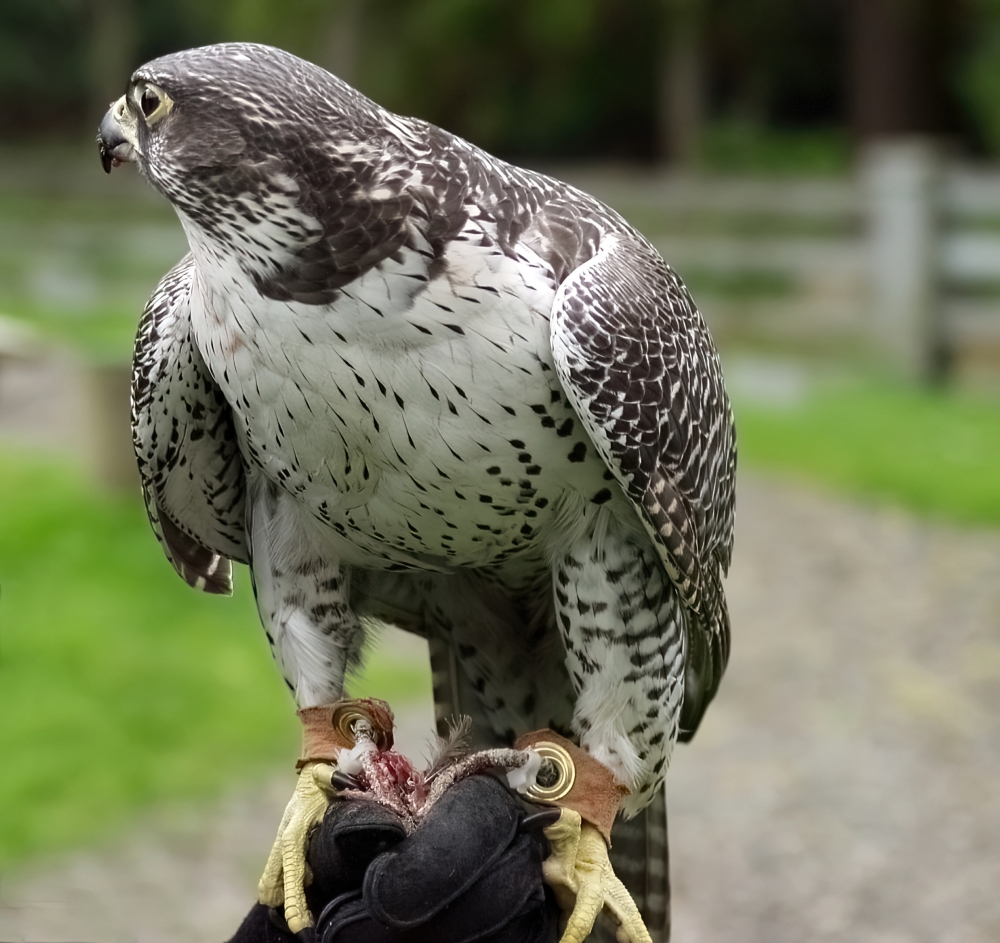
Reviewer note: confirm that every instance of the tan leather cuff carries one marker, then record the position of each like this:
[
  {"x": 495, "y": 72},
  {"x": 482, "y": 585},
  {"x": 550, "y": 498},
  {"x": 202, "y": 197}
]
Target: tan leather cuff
[
  {"x": 329, "y": 729},
  {"x": 594, "y": 793}
]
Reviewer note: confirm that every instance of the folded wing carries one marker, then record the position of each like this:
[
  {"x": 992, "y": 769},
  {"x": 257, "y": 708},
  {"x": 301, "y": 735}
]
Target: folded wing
[
  {"x": 639, "y": 367},
  {"x": 185, "y": 443}
]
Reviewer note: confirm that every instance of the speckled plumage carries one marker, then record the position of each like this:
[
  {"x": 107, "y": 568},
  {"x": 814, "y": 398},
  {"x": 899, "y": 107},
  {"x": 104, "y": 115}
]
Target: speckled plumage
[{"x": 409, "y": 381}]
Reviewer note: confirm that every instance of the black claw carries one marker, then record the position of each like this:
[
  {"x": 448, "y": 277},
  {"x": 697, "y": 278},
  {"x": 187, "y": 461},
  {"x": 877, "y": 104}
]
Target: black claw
[
  {"x": 306, "y": 935},
  {"x": 539, "y": 820},
  {"x": 277, "y": 919},
  {"x": 342, "y": 780}
]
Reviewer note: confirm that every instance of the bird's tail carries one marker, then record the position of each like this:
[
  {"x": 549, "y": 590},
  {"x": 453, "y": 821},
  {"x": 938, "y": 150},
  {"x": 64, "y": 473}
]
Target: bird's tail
[
  {"x": 640, "y": 855},
  {"x": 639, "y": 852}
]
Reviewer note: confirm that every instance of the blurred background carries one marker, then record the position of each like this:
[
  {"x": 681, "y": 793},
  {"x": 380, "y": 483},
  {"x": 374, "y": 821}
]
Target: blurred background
[{"x": 823, "y": 174}]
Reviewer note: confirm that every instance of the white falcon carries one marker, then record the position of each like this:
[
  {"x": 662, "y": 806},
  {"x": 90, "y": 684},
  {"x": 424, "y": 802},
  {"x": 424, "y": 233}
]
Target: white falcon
[{"x": 406, "y": 381}]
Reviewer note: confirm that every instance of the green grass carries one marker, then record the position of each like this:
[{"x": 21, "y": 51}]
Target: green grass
[
  {"x": 741, "y": 284},
  {"x": 100, "y": 335},
  {"x": 934, "y": 452},
  {"x": 120, "y": 686}
]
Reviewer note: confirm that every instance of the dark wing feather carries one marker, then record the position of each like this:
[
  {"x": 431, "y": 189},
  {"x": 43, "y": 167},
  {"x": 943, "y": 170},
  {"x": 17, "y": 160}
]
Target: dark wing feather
[
  {"x": 185, "y": 443},
  {"x": 638, "y": 365},
  {"x": 366, "y": 210}
]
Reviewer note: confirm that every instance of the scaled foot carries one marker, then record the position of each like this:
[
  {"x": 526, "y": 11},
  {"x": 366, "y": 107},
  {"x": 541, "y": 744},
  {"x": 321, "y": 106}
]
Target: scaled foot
[
  {"x": 578, "y": 869},
  {"x": 580, "y": 874},
  {"x": 326, "y": 731},
  {"x": 286, "y": 873}
]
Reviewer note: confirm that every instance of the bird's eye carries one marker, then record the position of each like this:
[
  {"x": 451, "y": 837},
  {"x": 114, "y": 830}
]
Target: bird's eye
[{"x": 149, "y": 102}]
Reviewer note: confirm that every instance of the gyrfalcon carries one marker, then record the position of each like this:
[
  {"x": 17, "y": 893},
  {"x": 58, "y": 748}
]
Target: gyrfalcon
[{"x": 406, "y": 381}]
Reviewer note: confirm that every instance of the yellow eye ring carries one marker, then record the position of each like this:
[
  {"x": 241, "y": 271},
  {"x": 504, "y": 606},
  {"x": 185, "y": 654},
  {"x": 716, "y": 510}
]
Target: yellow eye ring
[{"x": 152, "y": 102}]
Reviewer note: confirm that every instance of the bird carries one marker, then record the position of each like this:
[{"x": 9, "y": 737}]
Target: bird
[{"x": 408, "y": 382}]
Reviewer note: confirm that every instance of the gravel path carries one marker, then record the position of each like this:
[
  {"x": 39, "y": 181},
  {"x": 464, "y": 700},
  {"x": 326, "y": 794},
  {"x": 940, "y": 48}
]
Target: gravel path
[
  {"x": 846, "y": 783},
  {"x": 844, "y": 786}
]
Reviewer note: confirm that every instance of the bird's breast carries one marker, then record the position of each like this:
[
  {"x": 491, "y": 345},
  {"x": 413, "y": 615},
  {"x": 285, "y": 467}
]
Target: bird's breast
[{"x": 422, "y": 427}]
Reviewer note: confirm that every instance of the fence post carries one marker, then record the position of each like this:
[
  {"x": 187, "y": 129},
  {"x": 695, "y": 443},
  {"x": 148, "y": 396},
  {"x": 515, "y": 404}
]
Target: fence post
[
  {"x": 110, "y": 428},
  {"x": 902, "y": 182}
]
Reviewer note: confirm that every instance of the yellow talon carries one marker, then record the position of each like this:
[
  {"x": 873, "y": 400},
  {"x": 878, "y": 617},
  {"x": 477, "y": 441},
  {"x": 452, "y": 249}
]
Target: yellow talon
[
  {"x": 580, "y": 874},
  {"x": 286, "y": 873}
]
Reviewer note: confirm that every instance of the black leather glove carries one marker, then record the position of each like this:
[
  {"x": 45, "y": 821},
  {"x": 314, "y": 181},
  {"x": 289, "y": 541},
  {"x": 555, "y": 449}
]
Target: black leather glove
[{"x": 470, "y": 873}]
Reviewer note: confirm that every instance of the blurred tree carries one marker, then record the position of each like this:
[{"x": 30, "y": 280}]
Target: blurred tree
[
  {"x": 903, "y": 66},
  {"x": 777, "y": 61},
  {"x": 979, "y": 72},
  {"x": 546, "y": 78},
  {"x": 112, "y": 50},
  {"x": 341, "y": 52},
  {"x": 539, "y": 77},
  {"x": 327, "y": 32},
  {"x": 167, "y": 27},
  {"x": 62, "y": 61},
  {"x": 41, "y": 64},
  {"x": 682, "y": 92}
]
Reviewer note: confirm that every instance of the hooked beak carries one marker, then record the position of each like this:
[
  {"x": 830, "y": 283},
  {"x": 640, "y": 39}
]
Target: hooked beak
[{"x": 114, "y": 141}]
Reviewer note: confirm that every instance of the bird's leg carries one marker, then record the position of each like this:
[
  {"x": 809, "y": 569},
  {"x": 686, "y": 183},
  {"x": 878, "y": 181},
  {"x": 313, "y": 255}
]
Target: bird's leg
[
  {"x": 303, "y": 598},
  {"x": 511, "y": 669},
  {"x": 623, "y": 627},
  {"x": 303, "y": 601},
  {"x": 578, "y": 869},
  {"x": 300, "y": 647},
  {"x": 286, "y": 873}
]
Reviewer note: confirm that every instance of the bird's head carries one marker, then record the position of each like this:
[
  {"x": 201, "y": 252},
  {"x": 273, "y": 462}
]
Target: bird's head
[
  {"x": 252, "y": 145},
  {"x": 225, "y": 109}
]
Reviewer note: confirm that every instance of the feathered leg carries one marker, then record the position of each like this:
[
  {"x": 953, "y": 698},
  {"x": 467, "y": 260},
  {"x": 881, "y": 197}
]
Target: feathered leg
[
  {"x": 622, "y": 623},
  {"x": 639, "y": 852},
  {"x": 485, "y": 641},
  {"x": 623, "y": 626},
  {"x": 303, "y": 600},
  {"x": 505, "y": 653},
  {"x": 455, "y": 697}
]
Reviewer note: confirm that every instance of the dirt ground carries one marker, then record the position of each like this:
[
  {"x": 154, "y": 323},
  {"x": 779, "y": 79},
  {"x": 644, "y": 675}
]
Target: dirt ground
[{"x": 844, "y": 785}]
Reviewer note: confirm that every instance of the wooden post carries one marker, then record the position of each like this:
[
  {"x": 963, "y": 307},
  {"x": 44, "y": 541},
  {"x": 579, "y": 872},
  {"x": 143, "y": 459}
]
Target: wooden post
[
  {"x": 110, "y": 452},
  {"x": 902, "y": 181}
]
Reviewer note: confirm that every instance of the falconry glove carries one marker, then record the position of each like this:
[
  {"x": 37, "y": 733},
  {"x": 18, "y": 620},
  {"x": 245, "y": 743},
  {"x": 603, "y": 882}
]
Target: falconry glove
[
  {"x": 470, "y": 872},
  {"x": 462, "y": 864}
]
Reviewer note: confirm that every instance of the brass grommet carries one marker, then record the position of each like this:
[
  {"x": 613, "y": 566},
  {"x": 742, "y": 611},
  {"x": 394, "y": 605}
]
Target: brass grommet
[
  {"x": 557, "y": 760},
  {"x": 346, "y": 719}
]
